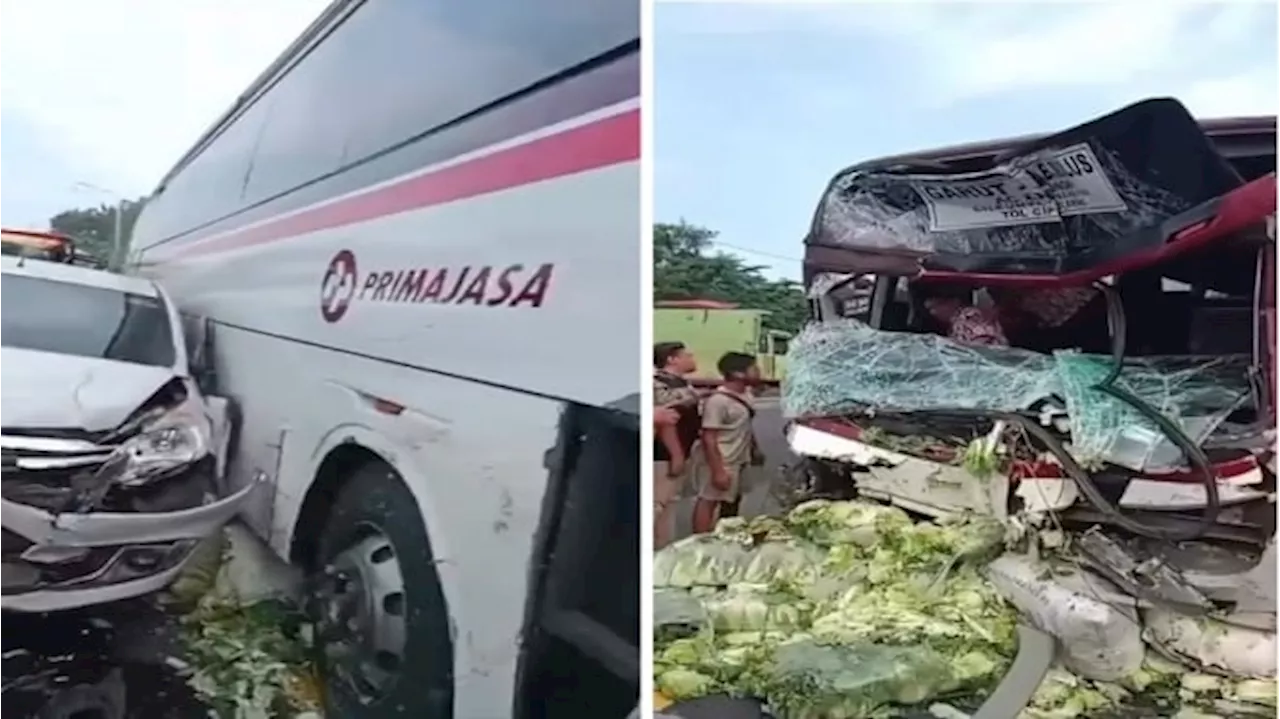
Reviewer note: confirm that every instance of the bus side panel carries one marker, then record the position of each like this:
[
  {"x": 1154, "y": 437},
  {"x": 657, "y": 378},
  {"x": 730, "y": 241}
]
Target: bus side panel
[
  {"x": 567, "y": 244},
  {"x": 469, "y": 445},
  {"x": 527, "y": 216},
  {"x": 471, "y": 439}
]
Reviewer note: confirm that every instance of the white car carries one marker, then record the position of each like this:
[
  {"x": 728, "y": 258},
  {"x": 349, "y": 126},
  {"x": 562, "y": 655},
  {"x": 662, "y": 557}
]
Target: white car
[{"x": 113, "y": 457}]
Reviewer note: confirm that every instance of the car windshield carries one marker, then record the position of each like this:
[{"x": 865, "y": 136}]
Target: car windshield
[{"x": 69, "y": 319}]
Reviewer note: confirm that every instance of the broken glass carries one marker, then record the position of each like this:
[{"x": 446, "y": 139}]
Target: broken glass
[
  {"x": 1197, "y": 393},
  {"x": 1006, "y": 210},
  {"x": 846, "y": 367},
  {"x": 1073, "y": 198}
]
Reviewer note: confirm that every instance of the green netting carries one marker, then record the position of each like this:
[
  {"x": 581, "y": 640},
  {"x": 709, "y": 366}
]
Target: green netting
[{"x": 809, "y": 680}]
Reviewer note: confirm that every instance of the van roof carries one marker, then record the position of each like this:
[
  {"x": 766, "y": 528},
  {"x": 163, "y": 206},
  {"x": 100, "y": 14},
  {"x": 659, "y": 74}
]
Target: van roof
[
  {"x": 1235, "y": 137},
  {"x": 76, "y": 275}
]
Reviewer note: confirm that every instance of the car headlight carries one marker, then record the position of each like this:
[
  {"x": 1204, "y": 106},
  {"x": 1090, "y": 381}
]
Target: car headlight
[{"x": 168, "y": 445}]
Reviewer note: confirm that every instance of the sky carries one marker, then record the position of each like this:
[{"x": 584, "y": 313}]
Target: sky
[
  {"x": 113, "y": 92},
  {"x": 758, "y": 105}
]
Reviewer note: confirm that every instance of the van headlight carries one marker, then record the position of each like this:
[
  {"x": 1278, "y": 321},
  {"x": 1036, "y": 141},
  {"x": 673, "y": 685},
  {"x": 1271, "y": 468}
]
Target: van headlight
[{"x": 163, "y": 448}]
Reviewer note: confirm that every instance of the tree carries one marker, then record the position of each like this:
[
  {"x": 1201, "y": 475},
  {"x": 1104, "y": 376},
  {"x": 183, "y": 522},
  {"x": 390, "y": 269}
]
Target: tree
[
  {"x": 93, "y": 228},
  {"x": 686, "y": 266}
]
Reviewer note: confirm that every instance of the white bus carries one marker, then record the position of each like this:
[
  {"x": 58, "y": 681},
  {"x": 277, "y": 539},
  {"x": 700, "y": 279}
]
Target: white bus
[{"x": 412, "y": 249}]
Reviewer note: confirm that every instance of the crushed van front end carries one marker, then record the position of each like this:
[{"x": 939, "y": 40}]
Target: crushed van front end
[
  {"x": 87, "y": 523},
  {"x": 1129, "y": 448}
]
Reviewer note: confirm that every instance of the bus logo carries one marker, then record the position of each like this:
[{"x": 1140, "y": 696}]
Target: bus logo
[{"x": 339, "y": 286}]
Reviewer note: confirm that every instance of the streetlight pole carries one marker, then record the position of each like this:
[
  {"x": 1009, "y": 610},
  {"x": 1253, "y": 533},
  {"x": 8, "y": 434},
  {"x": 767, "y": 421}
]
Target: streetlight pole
[
  {"x": 117, "y": 239},
  {"x": 116, "y": 257}
]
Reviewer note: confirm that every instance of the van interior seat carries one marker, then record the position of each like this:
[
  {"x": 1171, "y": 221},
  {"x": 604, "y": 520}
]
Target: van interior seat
[{"x": 1220, "y": 326}]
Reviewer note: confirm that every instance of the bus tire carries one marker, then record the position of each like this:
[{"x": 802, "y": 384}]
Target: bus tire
[{"x": 376, "y": 578}]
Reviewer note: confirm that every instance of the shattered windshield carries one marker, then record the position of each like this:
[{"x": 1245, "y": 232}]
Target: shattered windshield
[
  {"x": 69, "y": 319},
  {"x": 845, "y": 367}
]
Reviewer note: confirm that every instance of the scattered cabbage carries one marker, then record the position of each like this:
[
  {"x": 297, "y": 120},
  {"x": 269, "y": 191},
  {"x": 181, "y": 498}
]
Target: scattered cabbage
[
  {"x": 700, "y": 560},
  {"x": 753, "y": 607},
  {"x": 783, "y": 562},
  {"x": 1063, "y": 695},
  {"x": 684, "y": 684},
  {"x": 861, "y": 524},
  {"x": 1255, "y": 691},
  {"x": 677, "y": 614},
  {"x": 849, "y": 610},
  {"x": 791, "y": 603},
  {"x": 755, "y": 529}
]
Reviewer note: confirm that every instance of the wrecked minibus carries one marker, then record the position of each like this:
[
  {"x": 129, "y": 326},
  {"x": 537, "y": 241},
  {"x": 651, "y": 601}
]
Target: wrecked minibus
[
  {"x": 1143, "y": 421},
  {"x": 113, "y": 451},
  {"x": 1034, "y": 412}
]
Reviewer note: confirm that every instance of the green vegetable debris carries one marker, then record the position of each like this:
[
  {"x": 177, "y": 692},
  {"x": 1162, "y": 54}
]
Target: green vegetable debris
[
  {"x": 246, "y": 660},
  {"x": 849, "y": 610}
]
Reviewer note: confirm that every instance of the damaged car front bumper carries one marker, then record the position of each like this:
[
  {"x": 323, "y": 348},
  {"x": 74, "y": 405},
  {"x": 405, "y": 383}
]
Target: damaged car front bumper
[{"x": 80, "y": 530}]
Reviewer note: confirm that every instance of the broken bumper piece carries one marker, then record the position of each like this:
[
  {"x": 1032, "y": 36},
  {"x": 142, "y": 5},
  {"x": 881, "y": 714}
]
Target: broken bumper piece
[{"x": 64, "y": 560}]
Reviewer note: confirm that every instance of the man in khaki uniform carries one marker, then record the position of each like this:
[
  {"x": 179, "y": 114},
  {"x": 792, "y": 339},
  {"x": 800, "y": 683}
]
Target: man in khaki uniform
[
  {"x": 729, "y": 449},
  {"x": 676, "y": 435}
]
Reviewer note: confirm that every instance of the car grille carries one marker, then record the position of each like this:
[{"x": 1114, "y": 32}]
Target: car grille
[{"x": 42, "y": 471}]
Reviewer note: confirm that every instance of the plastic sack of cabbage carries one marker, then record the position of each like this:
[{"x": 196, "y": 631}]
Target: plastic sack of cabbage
[
  {"x": 837, "y": 611},
  {"x": 843, "y": 610}
]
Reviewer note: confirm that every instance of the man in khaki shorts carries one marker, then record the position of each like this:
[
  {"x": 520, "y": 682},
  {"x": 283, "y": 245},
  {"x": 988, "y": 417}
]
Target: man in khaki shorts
[
  {"x": 676, "y": 428},
  {"x": 729, "y": 449}
]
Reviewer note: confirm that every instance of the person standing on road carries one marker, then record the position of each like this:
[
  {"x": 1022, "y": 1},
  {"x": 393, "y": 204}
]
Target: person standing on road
[
  {"x": 676, "y": 426},
  {"x": 728, "y": 440}
]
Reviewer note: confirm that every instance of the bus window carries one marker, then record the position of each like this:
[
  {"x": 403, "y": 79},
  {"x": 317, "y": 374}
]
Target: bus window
[
  {"x": 507, "y": 46},
  {"x": 216, "y": 175}
]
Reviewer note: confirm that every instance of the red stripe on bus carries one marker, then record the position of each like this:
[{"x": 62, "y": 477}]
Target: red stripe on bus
[{"x": 605, "y": 142}]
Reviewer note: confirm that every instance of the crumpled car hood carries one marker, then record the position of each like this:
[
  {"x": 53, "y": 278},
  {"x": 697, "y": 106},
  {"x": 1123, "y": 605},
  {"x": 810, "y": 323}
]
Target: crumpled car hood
[{"x": 45, "y": 390}]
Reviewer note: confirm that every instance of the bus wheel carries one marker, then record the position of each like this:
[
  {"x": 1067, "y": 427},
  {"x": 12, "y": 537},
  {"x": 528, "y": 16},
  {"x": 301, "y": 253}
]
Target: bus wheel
[{"x": 382, "y": 626}]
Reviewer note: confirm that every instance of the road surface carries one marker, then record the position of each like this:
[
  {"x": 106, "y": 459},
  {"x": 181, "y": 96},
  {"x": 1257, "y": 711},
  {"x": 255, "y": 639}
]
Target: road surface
[
  {"x": 122, "y": 651},
  {"x": 758, "y": 499},
  {"x": 129, "y": 652}
]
